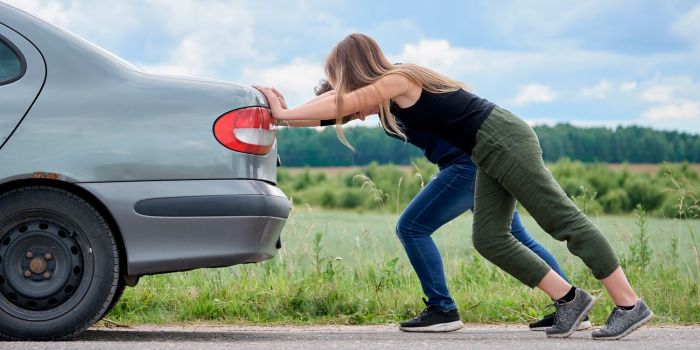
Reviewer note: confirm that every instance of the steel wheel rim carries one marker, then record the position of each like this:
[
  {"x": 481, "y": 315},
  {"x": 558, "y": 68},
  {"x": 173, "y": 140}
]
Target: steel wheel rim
[{"x": 24, "y": 245}]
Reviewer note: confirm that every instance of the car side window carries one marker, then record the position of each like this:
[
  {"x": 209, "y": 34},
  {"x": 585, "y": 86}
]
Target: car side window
[{"x": 11, "y": 65}]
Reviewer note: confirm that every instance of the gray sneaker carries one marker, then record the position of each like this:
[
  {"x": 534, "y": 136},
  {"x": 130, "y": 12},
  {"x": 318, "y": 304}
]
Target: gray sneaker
[
  {"x": 570, "y": 315},
  {"x": 622, "y": 322}
]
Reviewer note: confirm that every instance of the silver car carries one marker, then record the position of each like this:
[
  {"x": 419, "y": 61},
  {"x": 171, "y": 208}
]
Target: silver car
[{"x": 108, "y": 174}]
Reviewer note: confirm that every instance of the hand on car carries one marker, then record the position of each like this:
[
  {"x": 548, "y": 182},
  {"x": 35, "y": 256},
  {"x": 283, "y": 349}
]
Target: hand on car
[
  {"x": 274, "y": 98},
  {"x": 280, "y": 97}
]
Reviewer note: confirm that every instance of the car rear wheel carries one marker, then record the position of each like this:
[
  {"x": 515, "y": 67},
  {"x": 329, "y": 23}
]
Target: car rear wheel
[
  {"x": 59, "y": 264},
  {"x": 121, "y": 287}
]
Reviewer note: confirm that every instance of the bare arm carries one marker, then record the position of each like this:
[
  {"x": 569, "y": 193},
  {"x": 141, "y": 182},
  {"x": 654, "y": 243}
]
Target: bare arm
[
  {"x": 306, "y": 122},
  {"x": 299, "y": 122},
  {"x": 312, "y": 123},
  {"x": 325, "y": 106}
]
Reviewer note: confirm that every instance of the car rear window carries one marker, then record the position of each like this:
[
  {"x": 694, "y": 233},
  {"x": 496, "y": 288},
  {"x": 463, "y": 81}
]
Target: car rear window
[{"x": 10, "y": 63}]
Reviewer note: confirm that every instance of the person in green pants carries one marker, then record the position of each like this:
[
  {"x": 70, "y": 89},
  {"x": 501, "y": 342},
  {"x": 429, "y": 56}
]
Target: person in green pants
[
  {"x": 511, "y": 168},
  {"x": 449, "y": 194}
]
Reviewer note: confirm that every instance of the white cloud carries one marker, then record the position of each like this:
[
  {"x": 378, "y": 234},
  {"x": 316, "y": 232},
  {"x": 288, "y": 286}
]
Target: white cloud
[
  {"x": 295, "y": 80},
  {"x": 212, "y": 34},
  {"x": 534, "y": 93},
  {"x": 658, "y": 93},
  {"x": 599, "y": 91},
  {"x": 195, "y": 37},
  {"x": 628, "y": 86},
  {"x": 103, "y": 21},
  {"x": 670, "y": 88},
  {"x": 472, "y": 64},
  {"x": 673, "y": 103},
  {"x": 493, "y": 67},
  {"x": 52, "y": 12},
  {"x": 688, "y": 26},
  {"x": 682, "y": 111},
  {"x": 606, "y": 89},
  {"x": 440, "y": 56}
]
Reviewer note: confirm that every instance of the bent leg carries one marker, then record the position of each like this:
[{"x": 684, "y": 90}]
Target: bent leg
[
  {"x": 558, "y": 215},
  {"x": 509, "y": 152},
  {"x": 520, "y": 233},
  {"x": 443, "y": 199},
  {"x": 493, "y": 213}
]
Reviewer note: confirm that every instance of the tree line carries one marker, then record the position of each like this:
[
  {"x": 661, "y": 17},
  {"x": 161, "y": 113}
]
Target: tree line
[{"x": 633, "y": 144}]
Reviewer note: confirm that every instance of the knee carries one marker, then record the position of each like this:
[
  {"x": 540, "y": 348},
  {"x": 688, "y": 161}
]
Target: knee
[
  {"x": 480, "y": 239},
  {"x": 408, "y": 228},
  {"x": 401, "y": 227},
  {"x": 568, "y": 226}
]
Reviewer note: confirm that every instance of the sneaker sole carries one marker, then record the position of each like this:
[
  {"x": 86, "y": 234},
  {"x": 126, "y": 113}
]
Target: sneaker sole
[
  {"x": 436, "y": 328},
  {"x": 577, "y": 323},
  {"x": 582, "y": 327},
  {"x": 633, "y": 328}
]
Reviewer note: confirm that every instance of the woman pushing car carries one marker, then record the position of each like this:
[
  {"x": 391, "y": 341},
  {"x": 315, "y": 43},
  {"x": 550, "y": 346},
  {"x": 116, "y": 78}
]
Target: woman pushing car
[{"x": 510, "y": 167}]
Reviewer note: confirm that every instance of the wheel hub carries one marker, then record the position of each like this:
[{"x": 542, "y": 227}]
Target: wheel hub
[
  {"x": 41, "y": 264},
  {"x": 38, "y": 265}
]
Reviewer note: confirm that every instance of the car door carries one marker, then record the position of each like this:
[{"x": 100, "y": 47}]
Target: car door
[{"x": 22, "y": 74}]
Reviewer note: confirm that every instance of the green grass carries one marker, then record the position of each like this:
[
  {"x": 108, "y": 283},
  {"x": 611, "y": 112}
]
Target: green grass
[{"x": 349, "y": 268}]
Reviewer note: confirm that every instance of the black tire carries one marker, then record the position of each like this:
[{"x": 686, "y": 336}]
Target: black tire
[
  {"x": 59, "y": 267},
  {"x": 121, "y": 286}
]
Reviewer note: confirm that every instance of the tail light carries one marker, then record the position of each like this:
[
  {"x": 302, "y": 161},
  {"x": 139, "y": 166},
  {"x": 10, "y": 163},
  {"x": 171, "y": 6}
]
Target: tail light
[{"x": 248, "y": 130}]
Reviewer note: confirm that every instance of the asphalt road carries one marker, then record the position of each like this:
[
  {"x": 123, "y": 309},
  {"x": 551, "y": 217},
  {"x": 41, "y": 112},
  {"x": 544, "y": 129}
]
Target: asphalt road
[{"x": 357, "y": 337}]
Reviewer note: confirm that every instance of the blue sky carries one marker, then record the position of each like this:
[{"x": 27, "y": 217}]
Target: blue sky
[{"x": 590, "y": 63}]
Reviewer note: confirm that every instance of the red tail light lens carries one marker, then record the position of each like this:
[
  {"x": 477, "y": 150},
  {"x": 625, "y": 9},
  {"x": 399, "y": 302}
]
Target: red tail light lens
[{"x": 248, "y": 130}]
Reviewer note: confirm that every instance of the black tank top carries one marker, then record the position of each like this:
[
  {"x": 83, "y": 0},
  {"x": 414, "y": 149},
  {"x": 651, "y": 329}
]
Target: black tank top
[{"x": 454, "y": 116}]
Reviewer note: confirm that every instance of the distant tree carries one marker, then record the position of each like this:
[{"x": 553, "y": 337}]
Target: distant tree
[{"x": 633, "y": 144}]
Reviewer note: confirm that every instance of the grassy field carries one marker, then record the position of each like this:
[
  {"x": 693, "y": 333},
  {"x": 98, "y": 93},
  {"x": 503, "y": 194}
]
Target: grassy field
[{"x": 340, "y": 267}]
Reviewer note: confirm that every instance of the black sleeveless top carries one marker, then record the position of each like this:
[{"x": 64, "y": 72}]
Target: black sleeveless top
[
  {"x": 437, "y": 150},
  {"x": 454, "y": 116}
]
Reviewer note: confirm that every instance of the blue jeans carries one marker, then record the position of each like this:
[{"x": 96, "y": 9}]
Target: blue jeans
[{"x": 447, "y": 196}]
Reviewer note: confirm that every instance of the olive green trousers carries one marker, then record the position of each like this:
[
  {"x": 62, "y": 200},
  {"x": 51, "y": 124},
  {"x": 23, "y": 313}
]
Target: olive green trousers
[{"x": 510, "y": 168}]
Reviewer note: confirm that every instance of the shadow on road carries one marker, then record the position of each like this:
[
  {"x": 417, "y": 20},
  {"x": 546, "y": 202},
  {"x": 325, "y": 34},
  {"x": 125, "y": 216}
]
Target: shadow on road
[
  {"x": 178, "y": 336},
  {"x": 277, "y": 335}
]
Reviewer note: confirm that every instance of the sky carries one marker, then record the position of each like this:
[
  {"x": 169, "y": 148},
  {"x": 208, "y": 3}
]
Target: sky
[{"x": 588, "y": 63}]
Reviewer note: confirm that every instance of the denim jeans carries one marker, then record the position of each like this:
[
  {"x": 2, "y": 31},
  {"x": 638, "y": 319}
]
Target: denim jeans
[{"x": 445, "y": 197}]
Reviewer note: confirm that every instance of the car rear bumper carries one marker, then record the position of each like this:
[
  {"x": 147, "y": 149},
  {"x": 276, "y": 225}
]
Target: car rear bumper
[{"x": 169, "y": 226}]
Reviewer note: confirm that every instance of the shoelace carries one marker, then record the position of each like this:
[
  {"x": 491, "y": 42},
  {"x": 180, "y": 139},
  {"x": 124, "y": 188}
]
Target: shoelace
[
  {"x": 425, "y": 311},
  {"x": 612, "y": 315},
  {"x": 423, "y": 314},
  {"x": 556, "y": 313}
]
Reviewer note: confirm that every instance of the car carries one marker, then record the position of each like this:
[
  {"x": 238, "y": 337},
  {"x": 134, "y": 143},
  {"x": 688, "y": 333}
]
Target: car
[{"x": 108, "y": 173}]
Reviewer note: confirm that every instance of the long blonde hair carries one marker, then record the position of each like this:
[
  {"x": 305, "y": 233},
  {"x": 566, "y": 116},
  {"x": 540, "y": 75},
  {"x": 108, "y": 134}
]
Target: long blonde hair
[{"x": 357, "y": 61}]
